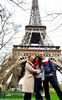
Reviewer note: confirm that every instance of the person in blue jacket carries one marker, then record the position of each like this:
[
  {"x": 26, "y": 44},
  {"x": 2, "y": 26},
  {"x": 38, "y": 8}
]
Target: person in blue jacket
[{"x": 49, "y": 70}]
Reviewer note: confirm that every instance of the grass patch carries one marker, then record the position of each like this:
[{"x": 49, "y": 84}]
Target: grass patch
[
  {"x": 18, "y": 95},
  {"x": 53, "y": 97}
]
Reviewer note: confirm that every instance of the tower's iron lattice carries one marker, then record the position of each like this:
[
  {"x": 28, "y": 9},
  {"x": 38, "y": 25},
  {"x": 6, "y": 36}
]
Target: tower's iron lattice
[{"x": 35, "y": 15}]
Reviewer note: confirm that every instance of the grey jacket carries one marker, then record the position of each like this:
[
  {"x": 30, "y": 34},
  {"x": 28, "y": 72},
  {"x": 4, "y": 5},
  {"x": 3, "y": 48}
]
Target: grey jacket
[{"x": 40, "y": 75}]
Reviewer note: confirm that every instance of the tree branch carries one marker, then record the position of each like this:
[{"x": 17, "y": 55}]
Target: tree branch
[{"x": 18, "y": 4}]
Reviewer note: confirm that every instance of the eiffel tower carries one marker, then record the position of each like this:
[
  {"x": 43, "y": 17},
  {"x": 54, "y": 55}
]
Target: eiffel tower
[{"x": 34, "y": 41}]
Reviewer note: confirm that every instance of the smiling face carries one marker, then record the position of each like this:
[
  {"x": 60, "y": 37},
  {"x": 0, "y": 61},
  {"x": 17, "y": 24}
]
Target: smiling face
[
  {"x": 37, "y": 59},
  {"x": 41, "y": 55},
  {"x": 31, "y": 58}
]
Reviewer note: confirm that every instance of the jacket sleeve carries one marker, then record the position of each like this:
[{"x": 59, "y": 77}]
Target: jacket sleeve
[
  {"x": 43, "y": 74},
  {"x": 52, "y": 66},
  {"x": 31, "y": 69}
]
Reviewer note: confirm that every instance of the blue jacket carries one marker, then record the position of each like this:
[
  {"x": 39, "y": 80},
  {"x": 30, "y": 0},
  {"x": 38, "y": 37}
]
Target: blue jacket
[{"x": 48, "y": 66}]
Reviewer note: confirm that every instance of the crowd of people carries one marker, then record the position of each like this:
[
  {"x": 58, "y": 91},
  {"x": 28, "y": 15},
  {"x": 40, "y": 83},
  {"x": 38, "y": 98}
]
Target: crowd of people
[{"x": 38, "y": 70}]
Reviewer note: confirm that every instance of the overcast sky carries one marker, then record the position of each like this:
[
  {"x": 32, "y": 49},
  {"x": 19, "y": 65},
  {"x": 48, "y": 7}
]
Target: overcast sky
[{"x": 45, "y": 6}]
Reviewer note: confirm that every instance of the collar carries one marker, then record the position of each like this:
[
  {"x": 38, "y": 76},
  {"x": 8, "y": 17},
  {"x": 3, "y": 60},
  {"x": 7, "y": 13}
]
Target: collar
[
  {"x": 43, "y": 58},
  {"x": 30, "y": 63}
]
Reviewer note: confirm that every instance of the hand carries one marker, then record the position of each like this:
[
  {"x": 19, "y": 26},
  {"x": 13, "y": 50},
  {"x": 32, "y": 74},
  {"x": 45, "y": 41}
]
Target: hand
[
  {"x": 51, "y": 74},
  {"x": 40, "y": 71}
]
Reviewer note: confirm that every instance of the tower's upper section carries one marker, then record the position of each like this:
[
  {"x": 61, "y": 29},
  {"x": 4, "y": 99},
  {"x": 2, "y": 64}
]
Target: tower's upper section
[{"x": 35, "y": 15}]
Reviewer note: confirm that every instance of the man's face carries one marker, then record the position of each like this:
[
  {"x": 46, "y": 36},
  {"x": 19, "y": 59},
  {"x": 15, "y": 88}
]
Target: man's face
[{"x": 41, "y": 55}]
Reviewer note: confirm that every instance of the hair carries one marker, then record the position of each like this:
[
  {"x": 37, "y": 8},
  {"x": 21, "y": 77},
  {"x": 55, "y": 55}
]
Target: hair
[
  {"x": 41, "y": 53},
  {"x": 29, "y": 56},
  {"x": 35, "y": 59},
  {"x": 39, "y": 61}
]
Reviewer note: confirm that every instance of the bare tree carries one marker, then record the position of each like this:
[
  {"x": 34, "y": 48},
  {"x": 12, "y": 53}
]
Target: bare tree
[
  {"x": 8, "y": 30},
  {"x": 55, "y": 18},
  {"x": 20, "y": 3},
  {"x": 6, "y": 27}
]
